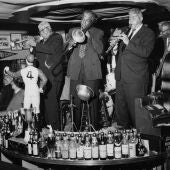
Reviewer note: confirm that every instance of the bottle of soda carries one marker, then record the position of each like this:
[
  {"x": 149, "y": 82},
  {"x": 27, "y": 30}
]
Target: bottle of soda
[
  {"x": 95, "y": 147},
  {"x": 30, "y": 147},
  {"x": 110, "y": 146}
]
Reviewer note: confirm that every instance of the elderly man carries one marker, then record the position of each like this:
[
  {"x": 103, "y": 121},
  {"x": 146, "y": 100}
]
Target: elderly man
[
  {"x": 49, "y": 54},
  {"x": 131, "y": 73}
]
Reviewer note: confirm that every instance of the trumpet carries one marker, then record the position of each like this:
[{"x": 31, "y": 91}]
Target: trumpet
[{"x": 15, "y": 43}]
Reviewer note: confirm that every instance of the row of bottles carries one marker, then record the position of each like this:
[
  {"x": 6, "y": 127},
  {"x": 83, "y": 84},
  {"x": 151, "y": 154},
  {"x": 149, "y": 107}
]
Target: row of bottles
[{"x": 117, "y": 145}]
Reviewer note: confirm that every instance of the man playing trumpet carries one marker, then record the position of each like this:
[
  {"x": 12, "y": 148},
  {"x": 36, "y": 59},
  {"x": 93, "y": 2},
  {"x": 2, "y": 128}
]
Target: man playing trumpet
[{"x": 84, "y": 65}]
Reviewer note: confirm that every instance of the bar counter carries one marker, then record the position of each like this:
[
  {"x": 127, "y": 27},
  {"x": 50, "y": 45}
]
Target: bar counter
[{"x": 139, "y": 163}]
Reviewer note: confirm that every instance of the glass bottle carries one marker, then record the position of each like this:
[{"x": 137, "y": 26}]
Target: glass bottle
[
  {"x": 87, "y": 148},
  {"x": 95, "y": 147},
  {"x": 110, "y": 146},
  {"x": 72, "y": 147},
  {"x": 30, "y": 148},
  {"x": 125, "y": 145},
  {"x": 102, "y": 147},
  {"x": 132, "y": 145},
  {"x": 42, "y": 146},
  {"x": 65, "y": 147},
  {"x": 35, "y": 144},
  {"x": 117, "y": 145},
  {"x": 58, "y": 146},
  {"x": 80, "y": 148},
  {"x": 140, "y": 148}
]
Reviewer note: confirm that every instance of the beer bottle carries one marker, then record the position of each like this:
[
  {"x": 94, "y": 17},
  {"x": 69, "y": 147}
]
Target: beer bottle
[
  {"x": 140, "y": 148},
  {"x": 58, "y": 146},
  {"x": 35, "y": 144},
  {"x": 65, "y": 147}
]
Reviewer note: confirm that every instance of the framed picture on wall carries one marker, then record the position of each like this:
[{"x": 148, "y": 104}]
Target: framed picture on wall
[
  {"x": 5, "y": 42},
  {"x": 15, "y": 37},
  {"x": 25, "y": 37}
]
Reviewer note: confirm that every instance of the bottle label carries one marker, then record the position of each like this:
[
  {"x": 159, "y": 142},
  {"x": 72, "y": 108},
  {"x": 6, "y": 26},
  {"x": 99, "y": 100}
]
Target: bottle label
[
  {"x": 118, "y": 153},
  {"x": 35, "y": 149},
  {"x": 95, "y": 152},
  {"x": 87, "y": 152},
  {"x": 110, "y": 149},
  {"x": 29, "y": 149},
  {"x": 72, "y": 153},
  {"x": 132, "y": 150},
  {"x": 125, "y": 149},
  {"x": 65, "y": 154},
  {"x": 80, "y": 151},
  {"x": 102, "y": 151}
]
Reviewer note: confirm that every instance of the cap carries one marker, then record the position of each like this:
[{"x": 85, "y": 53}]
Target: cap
[
  {"x": 30, "y": 58},
  {"x": 43, "y": 24},
  {"x": 7, "y": 80}
]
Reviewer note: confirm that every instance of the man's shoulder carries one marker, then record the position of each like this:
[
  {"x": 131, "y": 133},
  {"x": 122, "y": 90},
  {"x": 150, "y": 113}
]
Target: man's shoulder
[{"x": 147, "y": 29}]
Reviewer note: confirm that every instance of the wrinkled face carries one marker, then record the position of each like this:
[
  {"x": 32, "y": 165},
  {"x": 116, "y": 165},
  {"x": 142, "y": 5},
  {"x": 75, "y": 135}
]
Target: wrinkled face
[
  {"x": 134, "y": 20},
  {"x": 45, "y": 33},
  {"x": 86, "y": 20}
]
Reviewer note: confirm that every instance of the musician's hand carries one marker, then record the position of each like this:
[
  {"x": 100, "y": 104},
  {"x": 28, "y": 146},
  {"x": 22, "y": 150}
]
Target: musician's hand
[
  {"x": 31, "y": 42},
  {"x": 41, "y": 90},
  {"x": 6, "y": 69},
  {"x": 88, "y": 34},
  {"x": 124, "y": 38}
]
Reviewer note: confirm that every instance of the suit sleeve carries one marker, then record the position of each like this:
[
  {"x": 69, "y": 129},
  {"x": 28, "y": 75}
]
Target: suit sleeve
[
  {"x": 54, "y": 50},
  {"x": 43, "y": 78},
  {"x": 145, "y": 46}
]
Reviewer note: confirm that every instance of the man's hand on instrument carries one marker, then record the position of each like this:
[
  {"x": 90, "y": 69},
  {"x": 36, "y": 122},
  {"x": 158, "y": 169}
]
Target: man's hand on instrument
[
  {"x": 31, "y": 42},
  {"x": 6, "y": 69},
  {"x": 124, "y": 38}
]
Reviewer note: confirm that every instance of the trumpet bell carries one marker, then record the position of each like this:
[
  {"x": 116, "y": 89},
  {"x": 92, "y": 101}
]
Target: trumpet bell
[{"x": 78, "y": 35}]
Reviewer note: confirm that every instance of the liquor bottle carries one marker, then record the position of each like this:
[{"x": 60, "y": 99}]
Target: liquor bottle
[
  {"x": 65, "y": 147},
  {"x": 132, "y": 145},
  {"x": 51, "y": 143},
  {"x": 72, "y": 147},
  {"x": 102, "y": 147},
  {"x": 80, "y": 148},
  {"x": 1, "y": 138},
  {"x": 125, "y": 145},
  {"x": 58, "y": 146},
  {"x": 110, "y": 146},
  {"x": 95, "y": 147},
  {"x": 35, "y": 144},
  {"x": 87, "y": 148},
  {"x": 42, "y": 146},
  {"x": 117, "y": 145},
  {"x": 140, "y": 148},
  {"x": 30, "y": 147}
]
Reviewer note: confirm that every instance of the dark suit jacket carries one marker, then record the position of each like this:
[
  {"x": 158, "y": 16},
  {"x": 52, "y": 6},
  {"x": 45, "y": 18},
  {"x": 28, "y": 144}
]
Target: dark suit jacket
[
  {"x": 91, "y": 61},
  {"x": 51, "y": 52},
  {"x": 132, "y": 64}
]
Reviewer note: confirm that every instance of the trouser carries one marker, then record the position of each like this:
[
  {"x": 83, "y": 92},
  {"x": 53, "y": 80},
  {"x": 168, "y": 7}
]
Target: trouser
[
  {"x": 125, "y": 101},
  {"x": 51, "y": 102},
  {"x": 93, "y": 102}
]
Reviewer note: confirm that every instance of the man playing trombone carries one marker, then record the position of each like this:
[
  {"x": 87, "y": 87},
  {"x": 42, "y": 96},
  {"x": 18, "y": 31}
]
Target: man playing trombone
[{"x": 84, "y": 65}]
